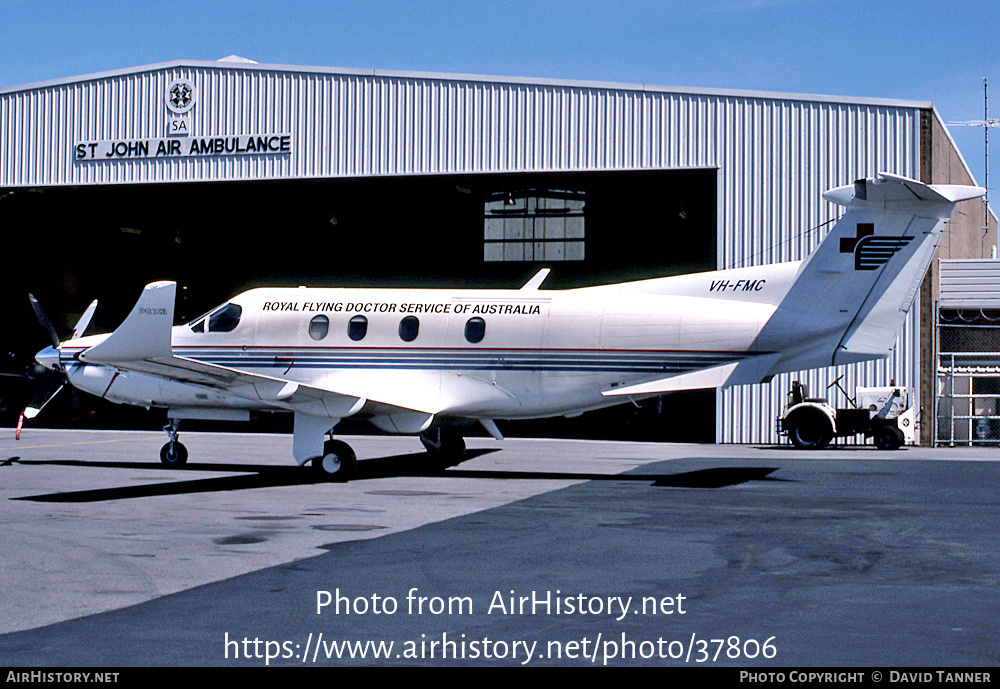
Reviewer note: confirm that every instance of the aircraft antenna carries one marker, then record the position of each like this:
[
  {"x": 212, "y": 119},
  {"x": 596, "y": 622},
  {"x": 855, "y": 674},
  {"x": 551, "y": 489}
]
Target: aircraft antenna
[{"x": 746, "y": 260}]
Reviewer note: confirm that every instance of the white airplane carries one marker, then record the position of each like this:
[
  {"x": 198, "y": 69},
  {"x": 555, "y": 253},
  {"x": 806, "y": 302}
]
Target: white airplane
[{"x": 427, "y": 361}]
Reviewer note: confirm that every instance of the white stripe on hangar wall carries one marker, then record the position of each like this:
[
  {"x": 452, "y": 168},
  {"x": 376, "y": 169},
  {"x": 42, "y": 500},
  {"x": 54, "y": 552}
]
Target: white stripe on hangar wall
[{"x": 776, "y": 153}]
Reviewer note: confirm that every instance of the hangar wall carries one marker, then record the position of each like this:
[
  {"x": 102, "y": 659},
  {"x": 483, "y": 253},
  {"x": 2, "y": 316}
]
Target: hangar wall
[
  {"x": 344, "y": 124},
  {"x": 774, "y": 153}
]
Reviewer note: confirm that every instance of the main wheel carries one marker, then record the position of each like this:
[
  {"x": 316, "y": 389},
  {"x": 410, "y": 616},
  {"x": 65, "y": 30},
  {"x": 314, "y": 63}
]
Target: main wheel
[
  {"x": 888, "y": 438},
  {"x": 337, "y": 463},
  {"x": 810, "y": 431},
  {"x": 445, "y": 447},
  {"x": 173, "y": 454}
]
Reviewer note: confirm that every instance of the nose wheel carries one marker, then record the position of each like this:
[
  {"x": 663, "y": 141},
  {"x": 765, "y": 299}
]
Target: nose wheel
[{"x": 173, "y": 453}]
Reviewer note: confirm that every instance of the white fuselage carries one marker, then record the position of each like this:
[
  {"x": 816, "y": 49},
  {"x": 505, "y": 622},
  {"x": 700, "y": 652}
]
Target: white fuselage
[{"x": 532, "y": 353}]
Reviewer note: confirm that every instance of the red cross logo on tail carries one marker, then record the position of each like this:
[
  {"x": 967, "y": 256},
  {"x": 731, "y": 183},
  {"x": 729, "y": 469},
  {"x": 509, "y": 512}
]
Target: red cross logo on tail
[
  {"x": 871, "y": 251},
  {"x": 847, "y": 244}
]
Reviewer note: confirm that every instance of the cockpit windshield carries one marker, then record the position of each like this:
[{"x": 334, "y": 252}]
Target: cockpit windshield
[
  {"x": 225, "y": 319},
  {"x": 222, "y": 320}
]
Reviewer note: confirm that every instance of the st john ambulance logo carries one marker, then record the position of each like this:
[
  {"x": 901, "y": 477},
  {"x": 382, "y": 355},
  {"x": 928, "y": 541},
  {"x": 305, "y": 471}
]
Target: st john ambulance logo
[
  {"x": 180, "y": 96},
  {"x": 870, "y": 250}
]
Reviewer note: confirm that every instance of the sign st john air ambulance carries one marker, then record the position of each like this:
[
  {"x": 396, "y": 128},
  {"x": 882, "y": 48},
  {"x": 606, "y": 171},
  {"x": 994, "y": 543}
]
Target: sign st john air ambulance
[{"x": 180, "y": 98}]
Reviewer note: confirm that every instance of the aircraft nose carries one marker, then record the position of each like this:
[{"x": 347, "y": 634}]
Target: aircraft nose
[{"x": 48, "y": 357}]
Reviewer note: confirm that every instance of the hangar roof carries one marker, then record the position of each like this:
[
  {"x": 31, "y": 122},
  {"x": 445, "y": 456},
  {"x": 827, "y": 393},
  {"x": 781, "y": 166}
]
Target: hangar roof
[
  {"x": 266, "y": 122},
  {"x": 237, "y": 63}
]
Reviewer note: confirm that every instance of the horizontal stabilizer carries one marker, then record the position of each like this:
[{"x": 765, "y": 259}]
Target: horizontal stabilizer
[
  {"x": 888, "y": 188},
  {"x": 752, "y": 370}
]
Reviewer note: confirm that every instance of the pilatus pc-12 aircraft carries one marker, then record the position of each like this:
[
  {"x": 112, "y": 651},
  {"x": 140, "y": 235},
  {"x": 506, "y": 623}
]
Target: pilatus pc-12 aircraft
[{"x": 428, "y": 361}]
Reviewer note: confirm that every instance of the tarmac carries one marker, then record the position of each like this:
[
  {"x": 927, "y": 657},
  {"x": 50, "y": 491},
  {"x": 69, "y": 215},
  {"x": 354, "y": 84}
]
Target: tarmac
[{"x": 532, "y": 552}]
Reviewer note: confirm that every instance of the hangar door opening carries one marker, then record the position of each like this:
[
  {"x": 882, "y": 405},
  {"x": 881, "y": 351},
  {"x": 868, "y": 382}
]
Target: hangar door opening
[{"x": 218, "y": 239}]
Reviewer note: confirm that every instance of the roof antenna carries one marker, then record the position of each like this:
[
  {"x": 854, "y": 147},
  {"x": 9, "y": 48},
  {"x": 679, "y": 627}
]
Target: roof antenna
[
  {"x": 986, "y": 163},
  {"x": 985, "y": 123}
]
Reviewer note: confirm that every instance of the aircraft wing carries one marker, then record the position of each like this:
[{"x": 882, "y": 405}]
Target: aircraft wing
[{"x": 274, "y": 392}]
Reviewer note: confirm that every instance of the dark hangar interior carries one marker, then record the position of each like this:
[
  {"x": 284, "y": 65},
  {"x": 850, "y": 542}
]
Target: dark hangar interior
[{"x": 68, "y": 246}]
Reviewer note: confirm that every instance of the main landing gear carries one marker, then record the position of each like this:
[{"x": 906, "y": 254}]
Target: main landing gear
[
  {"x": 337, "y": 463},
  {"x": 173, "y": 453},
  {"x": 445, "y": 448}
]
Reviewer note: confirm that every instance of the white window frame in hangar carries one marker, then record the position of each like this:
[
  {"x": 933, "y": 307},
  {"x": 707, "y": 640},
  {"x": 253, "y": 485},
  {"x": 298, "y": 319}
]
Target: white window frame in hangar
[{"x": 774, "y": 155}]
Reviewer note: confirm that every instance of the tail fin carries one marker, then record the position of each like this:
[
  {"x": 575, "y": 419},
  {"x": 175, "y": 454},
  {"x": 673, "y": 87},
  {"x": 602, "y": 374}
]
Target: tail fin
[{"x": 850, "y": 297}]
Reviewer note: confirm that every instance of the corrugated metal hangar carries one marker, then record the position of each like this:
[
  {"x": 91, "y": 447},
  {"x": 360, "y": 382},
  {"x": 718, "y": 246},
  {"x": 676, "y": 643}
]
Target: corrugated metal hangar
[{"x": 232, "y": 174}]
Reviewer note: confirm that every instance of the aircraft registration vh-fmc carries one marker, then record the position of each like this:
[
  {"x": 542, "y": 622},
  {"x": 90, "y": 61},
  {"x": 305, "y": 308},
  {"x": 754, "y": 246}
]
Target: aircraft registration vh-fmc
[{"x": 430, "y": 361}]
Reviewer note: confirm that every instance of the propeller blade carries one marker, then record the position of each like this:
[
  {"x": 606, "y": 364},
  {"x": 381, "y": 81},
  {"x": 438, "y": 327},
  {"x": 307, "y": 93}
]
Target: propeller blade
[
  {"x": 44, "y": 320},
  {"x": 43, "y": 396},
  {"x": 84, "y": 321},
  {"x": 55, "y": 380}
]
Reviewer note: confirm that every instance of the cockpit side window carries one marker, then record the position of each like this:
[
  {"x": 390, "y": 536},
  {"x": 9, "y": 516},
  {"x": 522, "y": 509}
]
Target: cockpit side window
[
  {"x": 226, "y": 319},
  {"x": 199, "y": 327}
]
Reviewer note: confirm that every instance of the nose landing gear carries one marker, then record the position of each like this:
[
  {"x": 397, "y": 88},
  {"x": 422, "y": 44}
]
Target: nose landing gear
[{"x": 173, "y": 453}]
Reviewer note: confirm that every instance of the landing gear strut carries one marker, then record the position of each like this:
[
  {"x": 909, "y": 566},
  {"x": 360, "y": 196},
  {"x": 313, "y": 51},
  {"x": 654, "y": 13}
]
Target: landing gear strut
[
  {"x": 445, "y": 447},
  {"x": 173, "y": 453},
  {"x": 337, "y": 463}
]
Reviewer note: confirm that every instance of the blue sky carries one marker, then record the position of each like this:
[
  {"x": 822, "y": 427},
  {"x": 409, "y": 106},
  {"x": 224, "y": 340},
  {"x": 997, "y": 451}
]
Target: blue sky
[{"x": 915, "y": 49}]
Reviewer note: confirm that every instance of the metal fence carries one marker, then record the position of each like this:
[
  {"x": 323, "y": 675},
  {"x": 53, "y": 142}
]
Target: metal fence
[{"x": 968, "y": 398}]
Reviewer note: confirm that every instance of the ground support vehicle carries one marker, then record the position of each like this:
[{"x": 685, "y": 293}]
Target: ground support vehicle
[{"x": 882, "y": 414}]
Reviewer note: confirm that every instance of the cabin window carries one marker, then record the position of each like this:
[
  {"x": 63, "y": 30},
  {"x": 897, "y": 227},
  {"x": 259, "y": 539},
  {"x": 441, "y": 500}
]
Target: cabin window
[
  {"x": 409, "y": 327},
  {"x": 475, "y": 330},
  {"x": 319, "y": 326},
  {"x": 357, "y": 328},
  {"x": 225, "y": 319}
]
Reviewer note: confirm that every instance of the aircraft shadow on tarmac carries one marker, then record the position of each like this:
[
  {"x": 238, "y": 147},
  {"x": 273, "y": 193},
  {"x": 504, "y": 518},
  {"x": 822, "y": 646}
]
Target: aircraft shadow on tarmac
[
  {"x": 832, "y": 447},
  {"x": 257, "y": 476}
]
